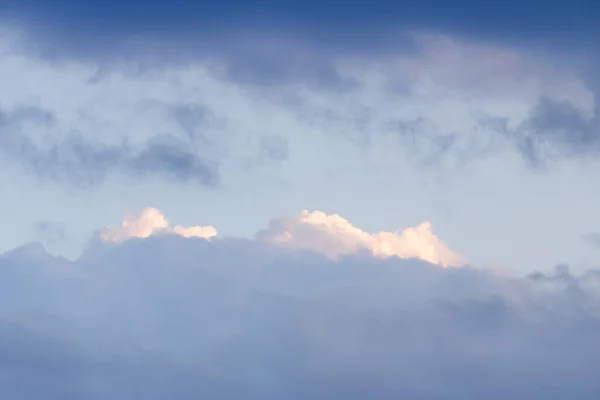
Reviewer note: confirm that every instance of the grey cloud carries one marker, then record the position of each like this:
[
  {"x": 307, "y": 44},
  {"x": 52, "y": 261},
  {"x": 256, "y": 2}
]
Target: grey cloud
[
  {"x": 266, "y": 64},
  {"x": 556, "y": 130},
  {"x": 192, "y": 118},
  {"x": 553, "y": 132},
  {"x": 170, "y": 156},
  {"x": 274, "y": 147},
  {"x": 593, "y": 239},
  {"x": 50, "y": 231},
  {"x": 272, "y": 67},
  {"x": 428, "y": 145},
  {"x": 81, "y": 161},
  {"x": 168, "y": 317},
  {"x": 26, "y": 113}
]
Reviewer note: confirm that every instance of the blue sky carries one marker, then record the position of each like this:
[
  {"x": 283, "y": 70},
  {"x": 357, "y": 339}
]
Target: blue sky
[{"x": 306, "y": 170}]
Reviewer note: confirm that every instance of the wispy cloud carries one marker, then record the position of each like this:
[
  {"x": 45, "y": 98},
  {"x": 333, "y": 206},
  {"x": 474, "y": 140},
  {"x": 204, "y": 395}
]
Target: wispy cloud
[
  {"x": 50, "y": 231},
  {"x": 190, "y": 119},
  {"x": 84, "y": 161},
  {"x": 554, "y": 131}
]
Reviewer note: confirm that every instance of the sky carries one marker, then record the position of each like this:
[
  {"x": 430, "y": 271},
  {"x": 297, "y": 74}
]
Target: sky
[{"x": 281, "y": 199}]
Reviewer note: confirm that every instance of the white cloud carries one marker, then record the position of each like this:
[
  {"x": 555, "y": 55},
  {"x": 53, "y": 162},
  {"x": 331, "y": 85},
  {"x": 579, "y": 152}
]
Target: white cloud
[
  {"x": 152, "y": 222},
  {"x": 330, "y": 235},
  {"x": 334, "y": 237}
]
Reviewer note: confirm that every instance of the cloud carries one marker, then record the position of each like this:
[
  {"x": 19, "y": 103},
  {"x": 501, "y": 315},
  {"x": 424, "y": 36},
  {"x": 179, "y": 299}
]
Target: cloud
[
  {"x": 194, "y": 119},
  {"x": 554, "y": 131},
  {"x": 50, "y": 231},
  {"x": 592, "y": 239},
  {"x": 312, "y": 307},
  {"x": 335, "y": 237},
  {"x": 152, "y": 222},
  {"x": 167, "y": 316},
  {"x": 329, "y": 235},
  {"x": 275, "y": 148},
  {"x": 81, "y": 161}
]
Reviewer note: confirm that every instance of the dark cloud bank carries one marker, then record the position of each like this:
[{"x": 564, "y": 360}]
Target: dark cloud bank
[
  {"x": 169, "y": 317},
  {"x": 268, "y": 43}
]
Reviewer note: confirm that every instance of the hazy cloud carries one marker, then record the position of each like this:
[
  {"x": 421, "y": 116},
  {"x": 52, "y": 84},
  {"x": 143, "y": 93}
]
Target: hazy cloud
[
  {"x": 50, "y": 231},
  {"x": 274, "y": 147},
  {"x": 592, "y": 238},
  {"x": 168, "y": 316}
]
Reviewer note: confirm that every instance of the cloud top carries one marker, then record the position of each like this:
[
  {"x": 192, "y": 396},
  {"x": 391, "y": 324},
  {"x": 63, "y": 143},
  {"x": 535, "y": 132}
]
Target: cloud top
[
  {"x": 336, "y": 237},
  {"x": 329, "y": 235},
  {"x": 152, "y": 221}
]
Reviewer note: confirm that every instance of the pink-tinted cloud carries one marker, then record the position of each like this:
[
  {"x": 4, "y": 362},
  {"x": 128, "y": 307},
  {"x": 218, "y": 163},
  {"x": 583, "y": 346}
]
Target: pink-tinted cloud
[
  {"x": 330, "y": 235},
  {"x": 152, "y": 221},
  {"x": 335, "y": 237}
]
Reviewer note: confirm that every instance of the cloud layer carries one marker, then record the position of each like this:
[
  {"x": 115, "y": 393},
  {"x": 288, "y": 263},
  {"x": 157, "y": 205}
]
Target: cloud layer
[{"x": 174, "y": 317}]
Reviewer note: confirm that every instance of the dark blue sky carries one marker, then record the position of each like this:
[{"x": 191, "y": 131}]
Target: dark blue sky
[{"x": 322, "y": 19}]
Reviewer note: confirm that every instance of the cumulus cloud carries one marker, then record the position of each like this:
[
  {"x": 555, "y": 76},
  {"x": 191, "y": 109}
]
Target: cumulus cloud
[
  {"x": 173, "y": 317},
  {"x": 152, "y": 222},
  {"x": 335, "y": 237},
  {"x": 329, "y": 235}
]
